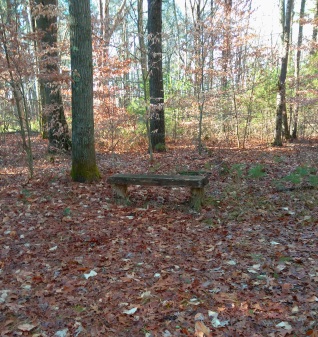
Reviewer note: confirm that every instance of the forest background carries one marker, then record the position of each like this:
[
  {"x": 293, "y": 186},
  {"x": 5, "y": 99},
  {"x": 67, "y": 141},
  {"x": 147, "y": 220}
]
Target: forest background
[{"x": 222, "y": 65}]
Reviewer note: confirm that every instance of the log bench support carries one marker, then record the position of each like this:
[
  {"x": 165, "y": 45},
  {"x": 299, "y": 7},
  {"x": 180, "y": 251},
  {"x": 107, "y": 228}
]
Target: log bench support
[
  {"x": 197, "y": 197},
  {"x": 120, "y": 183}
]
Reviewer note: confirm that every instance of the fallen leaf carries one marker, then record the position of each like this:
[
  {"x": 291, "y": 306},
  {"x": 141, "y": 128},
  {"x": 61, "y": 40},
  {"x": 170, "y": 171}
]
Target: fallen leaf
[
  {"x": 216, "y": 323},
  {"x": 231, "y": 263},
  {"x": 286, "y": 287},
  {"x": 202, "y": 330},
  {"x": 199, "y": 317},
  {"x": 284, "y": 325},
  {"x": 295, "y": 309},
  {"x": 280, "y": 267},
  {"x": 130, "y": 311},
  {"x": 312, "y": 333},
  {"x": 61, "y": 333},
  {"x": 26, "y": 327},
  {"x": 146, "y": 294},
  {"x": 312, "y": 299},
  {"x": 92, "y": 273}
]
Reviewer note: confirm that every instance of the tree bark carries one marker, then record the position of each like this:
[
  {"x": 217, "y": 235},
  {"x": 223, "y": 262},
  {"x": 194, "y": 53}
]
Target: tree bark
[
  {"x": 143, "y": 51},
  {"x": 297, "y": 67},
  {"x": 281, "y": 111},
  {"x": 53, "y": 116},
  {"x": 157, "y": 119},
  {"x": 226, "y": 53},
  {"x": 197, "y": 10},
  {"x": 84, "y": 168},
  {"x": 315, "y": 32}
]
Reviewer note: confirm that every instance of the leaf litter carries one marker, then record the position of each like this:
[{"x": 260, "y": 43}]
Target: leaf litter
[{"x": 74, "y": 261}]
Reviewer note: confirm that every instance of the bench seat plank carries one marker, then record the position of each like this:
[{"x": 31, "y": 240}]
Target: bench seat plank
[
  {"x": 159, "y": 180},
  {"x": 120, "y": 183}
]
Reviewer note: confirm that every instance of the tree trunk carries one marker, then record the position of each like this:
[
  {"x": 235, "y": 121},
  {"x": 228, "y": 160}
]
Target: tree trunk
[
  {"x": 143, "y": 51},
  {"x": 315, "y": 32},
  {"x": 84, "y": 168},
  {"x": 281, "y": 111},
  {"x": 297, "y": 67},
  {"x": 157, "y": 120},
  {"x": 197, "y": 10},
  {"x": 16, "y": 84},
  {"x": 108, "y": 27},
  {"x": 101, "y": 15},
  {"x": 144, "y": 69},
  {"x": 53, "y": 117},
  {"x": 226, "y": 52}
]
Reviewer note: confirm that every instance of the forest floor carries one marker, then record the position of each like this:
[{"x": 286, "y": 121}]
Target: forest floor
[{"x": 75, "y": 261}]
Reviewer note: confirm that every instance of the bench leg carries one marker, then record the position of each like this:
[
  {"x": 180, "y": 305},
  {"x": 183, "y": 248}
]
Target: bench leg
[
  {"x": 120, "y": 190},
  {"x": 197, "y": 197}
]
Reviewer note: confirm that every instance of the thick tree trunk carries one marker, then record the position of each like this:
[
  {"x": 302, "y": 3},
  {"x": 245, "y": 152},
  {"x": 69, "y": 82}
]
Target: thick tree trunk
[
  {"x": 53, "y": 117},
  {"x": 84, "y": 168},
  {"x": 281, "y": 111},
  {"x": 157, "y": 120}
]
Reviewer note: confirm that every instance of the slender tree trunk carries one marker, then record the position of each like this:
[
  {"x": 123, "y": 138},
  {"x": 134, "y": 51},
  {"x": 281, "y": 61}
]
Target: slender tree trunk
[
  {"x": 315, "y": 32},
  {"x": 281, "y": 111},
  {"x": 37, "y": 107},
  {"x": 126, "y": 96},
  {"x": 297, "y": 67},
  {"x": 143, "y": 51},
  {"x": 101, "y": 16},
  {"x": 186, "y": 34},
  {"x": 226, "y": 51},
  {"x": 212, "y": 40},
  {"x": 157, "y": 120},
  {"x": 178, "y": 33},
  {"x": 199, "y": 63},
  {"x": 108, "y": 27},
  {"x": 84, "y": 168},
  {"x": 54, "y": 121},
  {"x": 16, "y": 84},
  {"x": 144, "y": 70}
]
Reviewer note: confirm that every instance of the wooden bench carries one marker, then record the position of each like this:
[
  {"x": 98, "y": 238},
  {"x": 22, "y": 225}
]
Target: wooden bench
[{"x": 120, "y": 184}]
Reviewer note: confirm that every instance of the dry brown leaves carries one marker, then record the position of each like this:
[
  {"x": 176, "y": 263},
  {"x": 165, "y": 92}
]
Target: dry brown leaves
[{"x": 76, "y": 262}]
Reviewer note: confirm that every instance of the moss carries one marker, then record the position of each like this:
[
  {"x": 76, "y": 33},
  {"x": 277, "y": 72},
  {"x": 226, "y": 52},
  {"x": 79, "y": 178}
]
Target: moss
[
  {"x": 160, "y": 147},
  {"x": 85, "y": 173}
]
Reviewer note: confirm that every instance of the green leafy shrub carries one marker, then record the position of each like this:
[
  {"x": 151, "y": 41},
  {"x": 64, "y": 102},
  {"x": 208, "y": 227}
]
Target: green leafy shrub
[
  {"x": 303, "y": 175},
  {"x": 257, "y": 171}
]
